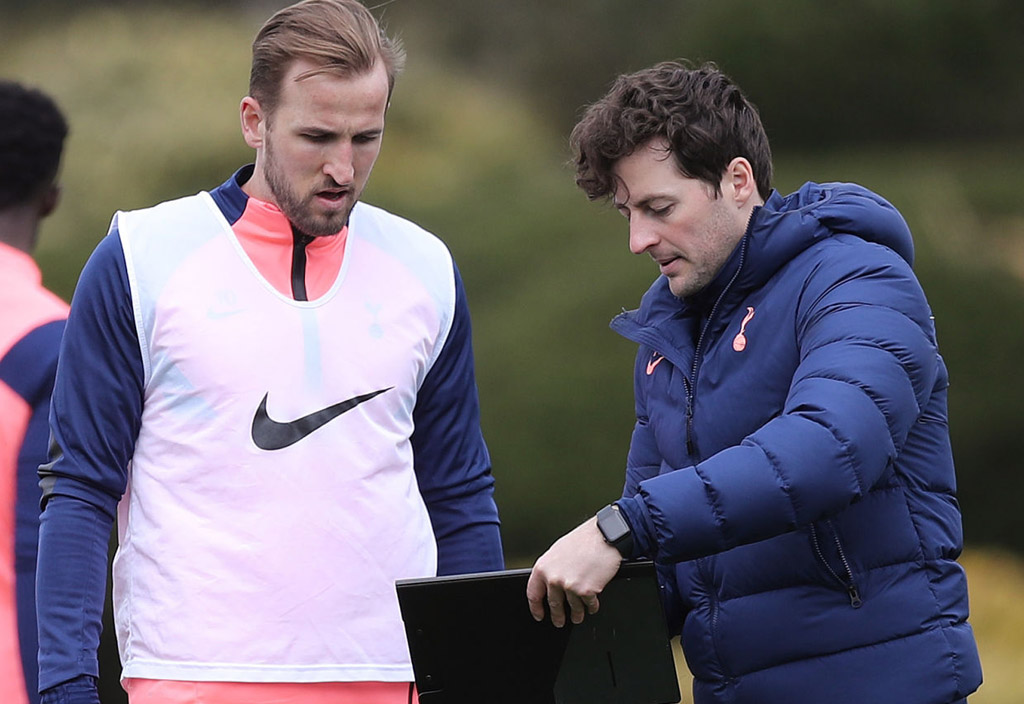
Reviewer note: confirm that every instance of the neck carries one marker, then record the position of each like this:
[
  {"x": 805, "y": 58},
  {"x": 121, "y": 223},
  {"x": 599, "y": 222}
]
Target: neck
[
  {"x": 19, "y": 228},
  {"x": 257, "y": 186}
]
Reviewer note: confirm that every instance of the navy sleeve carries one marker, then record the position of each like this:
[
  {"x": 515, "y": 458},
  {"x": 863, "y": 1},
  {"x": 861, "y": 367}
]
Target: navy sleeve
[
  {"x": 81, "y": 690},
  {"x": 453, "y": 467},
  {"x": 28, "y": 368},
  {"x": 96, "y": 410},
  {"x": 70, "y": 586},
  {"x": 94, "y": 420}
]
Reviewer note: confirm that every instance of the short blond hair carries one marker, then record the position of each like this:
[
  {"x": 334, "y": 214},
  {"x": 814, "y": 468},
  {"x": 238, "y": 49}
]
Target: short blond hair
[{"x": 341, "y": 35}]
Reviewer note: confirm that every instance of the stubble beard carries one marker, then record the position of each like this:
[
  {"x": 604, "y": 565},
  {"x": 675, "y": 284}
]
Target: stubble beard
[
  {"x": 723, "y": 234},
  {"x": 690, "y": 283},
  {"x": 299, "y": 211}
]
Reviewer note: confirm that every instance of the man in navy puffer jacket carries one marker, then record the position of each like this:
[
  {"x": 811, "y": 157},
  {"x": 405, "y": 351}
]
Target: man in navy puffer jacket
[{"x": 790, "y": 469}]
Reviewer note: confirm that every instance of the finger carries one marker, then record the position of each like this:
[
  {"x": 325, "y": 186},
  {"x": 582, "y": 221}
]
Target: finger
[
  {"x": 576, "y": 607},
  {"x": 592, "y": 604},
  {"x": 556, "y": 604},
  {"x": 535, "y": 593}
]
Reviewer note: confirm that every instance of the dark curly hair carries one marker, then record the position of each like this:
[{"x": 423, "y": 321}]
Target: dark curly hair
[
  {"x": 700, "y": 112},
  {"x": 32, "y": 132}
]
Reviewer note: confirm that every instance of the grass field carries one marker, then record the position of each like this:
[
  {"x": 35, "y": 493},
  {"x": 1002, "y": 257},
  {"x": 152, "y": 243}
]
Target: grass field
[{"x": 996, "y": 583}]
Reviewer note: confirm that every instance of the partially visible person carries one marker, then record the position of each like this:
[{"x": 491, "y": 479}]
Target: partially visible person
[
  {"x": 790, "y": 469},
  {"x": 271, "y": 385},
  {"x": 32, "y": 133}
]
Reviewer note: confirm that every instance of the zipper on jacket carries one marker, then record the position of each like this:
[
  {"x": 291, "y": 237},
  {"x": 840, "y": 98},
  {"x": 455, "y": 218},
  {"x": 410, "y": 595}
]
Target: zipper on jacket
[
  {"x": 691, "y": 441},
  {"x": 691, "y": 446},
  {"x": 299, "y": 242},
  {"x": 848, "y": 583}
]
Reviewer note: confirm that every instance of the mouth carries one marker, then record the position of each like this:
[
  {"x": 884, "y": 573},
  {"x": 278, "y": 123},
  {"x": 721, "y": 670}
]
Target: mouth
[
  {"x": 665, "y": 263},
  {"x": 333, "y": 195}
]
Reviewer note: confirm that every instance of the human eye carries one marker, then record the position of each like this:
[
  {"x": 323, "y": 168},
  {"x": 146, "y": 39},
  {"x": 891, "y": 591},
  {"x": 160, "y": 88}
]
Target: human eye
[
  {"x": 366, "y": 137},
  {"x": 660, "y": 211},
  {"x": 316, "y": 137}
]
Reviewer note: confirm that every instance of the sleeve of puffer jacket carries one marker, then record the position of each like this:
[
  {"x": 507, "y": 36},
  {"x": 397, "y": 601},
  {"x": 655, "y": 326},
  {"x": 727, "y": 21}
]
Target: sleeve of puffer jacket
[{"x": 868, "y": 363}]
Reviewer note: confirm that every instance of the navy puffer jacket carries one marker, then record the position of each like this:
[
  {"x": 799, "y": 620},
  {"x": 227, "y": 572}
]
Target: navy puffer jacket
[{"x": 790, "y": 469}]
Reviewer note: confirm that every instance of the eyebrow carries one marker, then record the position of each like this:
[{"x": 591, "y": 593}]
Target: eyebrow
[
  {"x": 644, "y": 202},
  {"x": 318, "y": 131}
]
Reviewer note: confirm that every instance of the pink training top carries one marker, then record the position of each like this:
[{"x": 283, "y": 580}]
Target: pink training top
[
  {"x": 24, "y": 306},
  {"x": 265, "y": 234},
  {"x": 178, "y": 692}
]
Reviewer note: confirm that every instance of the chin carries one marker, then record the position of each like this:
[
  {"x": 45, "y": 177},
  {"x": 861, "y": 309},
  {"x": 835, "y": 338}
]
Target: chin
[
  {"x": 679, "y": 290},
  {"x": 322, "y": 227}
]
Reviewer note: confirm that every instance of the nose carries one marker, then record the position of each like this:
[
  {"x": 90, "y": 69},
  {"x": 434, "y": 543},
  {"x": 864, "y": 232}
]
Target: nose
[
  {"x": 340, "y": 164},
  {"x": 641, "y": 236}
]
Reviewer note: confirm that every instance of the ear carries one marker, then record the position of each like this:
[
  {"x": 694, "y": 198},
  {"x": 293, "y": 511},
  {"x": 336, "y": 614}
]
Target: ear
[
  {"x": 49, "y": 200},
  {"x": 254, "y": 123},
  {"x": 738, "y": 181}
]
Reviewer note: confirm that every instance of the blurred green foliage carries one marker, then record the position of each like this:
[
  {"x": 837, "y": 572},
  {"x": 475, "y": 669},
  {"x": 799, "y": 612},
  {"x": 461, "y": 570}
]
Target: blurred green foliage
[
  {"x": 822, "y": 73},
  {"x": 920, "y": 101}
]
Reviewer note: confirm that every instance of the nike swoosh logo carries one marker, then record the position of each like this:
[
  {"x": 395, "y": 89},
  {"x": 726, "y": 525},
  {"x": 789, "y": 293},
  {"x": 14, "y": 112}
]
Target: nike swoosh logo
[
  {"x": 269, "y": 434},
  {"x": 653, "y": 363},
  {"x": 218, "y": 313}
]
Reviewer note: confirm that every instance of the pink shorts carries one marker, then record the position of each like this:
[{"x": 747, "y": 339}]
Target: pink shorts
[{"x": 142, "y": 691}]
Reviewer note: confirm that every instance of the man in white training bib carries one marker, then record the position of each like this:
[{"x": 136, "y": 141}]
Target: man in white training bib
[{"x": 271, "y": 385}]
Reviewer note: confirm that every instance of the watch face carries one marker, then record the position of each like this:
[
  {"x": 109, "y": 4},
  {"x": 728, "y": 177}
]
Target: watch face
[{"x": 612, "y": 524}]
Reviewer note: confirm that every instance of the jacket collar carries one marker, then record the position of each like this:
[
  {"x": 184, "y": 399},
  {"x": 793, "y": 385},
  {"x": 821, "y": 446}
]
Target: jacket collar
[{"x": 777, "y": 232}]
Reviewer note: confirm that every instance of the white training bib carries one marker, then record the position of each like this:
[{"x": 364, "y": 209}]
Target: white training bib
[{"x": 272, "y": 501}]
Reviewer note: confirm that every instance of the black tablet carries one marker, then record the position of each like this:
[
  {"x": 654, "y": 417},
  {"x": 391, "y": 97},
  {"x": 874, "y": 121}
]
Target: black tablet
[{"x": 474, "y": 641}]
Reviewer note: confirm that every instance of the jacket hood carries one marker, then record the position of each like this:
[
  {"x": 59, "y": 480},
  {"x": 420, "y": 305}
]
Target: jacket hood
[
  {"x": 817, "y": 211},
  {"x": 782, "y": 228}
]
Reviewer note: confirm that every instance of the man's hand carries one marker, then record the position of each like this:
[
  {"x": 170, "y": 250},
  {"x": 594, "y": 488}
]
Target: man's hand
[{"x": 575, "y": 569}]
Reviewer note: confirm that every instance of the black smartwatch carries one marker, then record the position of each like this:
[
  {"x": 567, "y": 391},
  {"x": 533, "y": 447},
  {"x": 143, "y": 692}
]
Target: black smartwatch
[{"x": 615, "y": 530}]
